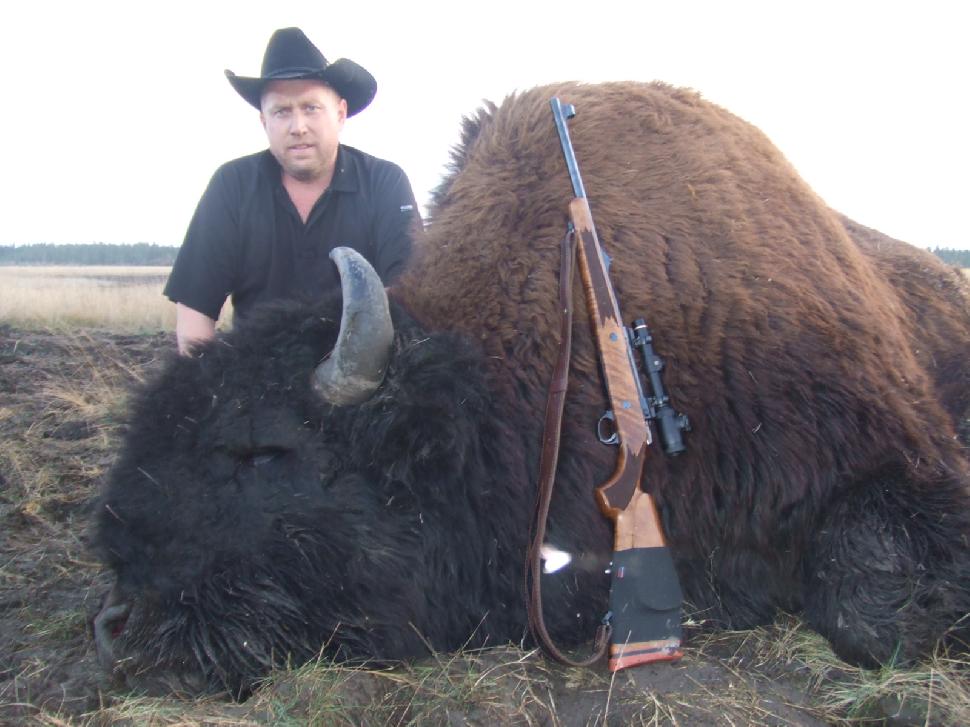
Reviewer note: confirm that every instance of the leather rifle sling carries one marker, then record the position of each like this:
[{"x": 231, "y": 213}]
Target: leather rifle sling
[{"x": 549, "y": 459}]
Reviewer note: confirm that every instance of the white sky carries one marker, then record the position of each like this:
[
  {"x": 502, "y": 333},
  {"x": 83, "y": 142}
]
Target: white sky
[{"x": 115, "y": 114}]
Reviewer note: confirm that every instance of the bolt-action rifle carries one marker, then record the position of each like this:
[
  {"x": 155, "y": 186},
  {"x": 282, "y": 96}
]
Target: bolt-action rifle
[{"x": 645, "y": 595}]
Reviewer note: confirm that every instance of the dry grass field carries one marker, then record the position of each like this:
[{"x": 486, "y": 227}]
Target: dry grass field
[
  {"x": 125, "y": 299},
  {"x": 66, "y": 365}
]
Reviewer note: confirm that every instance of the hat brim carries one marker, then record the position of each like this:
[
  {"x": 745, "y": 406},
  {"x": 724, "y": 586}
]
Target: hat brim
[{"x": 350, "y": 80}]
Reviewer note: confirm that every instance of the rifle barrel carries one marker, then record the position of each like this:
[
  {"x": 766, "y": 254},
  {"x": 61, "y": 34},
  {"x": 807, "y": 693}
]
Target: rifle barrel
[{"x": 561, "y": 112}]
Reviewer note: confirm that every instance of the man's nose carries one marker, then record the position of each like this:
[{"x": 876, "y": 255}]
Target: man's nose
[{"x": 298, "y": 123}]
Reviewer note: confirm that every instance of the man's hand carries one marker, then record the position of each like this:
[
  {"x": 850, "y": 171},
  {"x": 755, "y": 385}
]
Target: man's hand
[{"x": 191, "y": 328}]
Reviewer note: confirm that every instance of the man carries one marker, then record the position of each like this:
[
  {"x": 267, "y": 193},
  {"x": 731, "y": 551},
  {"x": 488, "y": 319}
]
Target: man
[{"x": 266, "y": 223}]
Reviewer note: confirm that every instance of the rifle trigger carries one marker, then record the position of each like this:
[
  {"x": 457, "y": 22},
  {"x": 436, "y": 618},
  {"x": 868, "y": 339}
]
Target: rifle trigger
[{"x": 606, "y": 429}]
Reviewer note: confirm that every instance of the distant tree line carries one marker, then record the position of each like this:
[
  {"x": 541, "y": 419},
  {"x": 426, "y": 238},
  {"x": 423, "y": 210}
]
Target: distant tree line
[
  {"x": 144, "y": 253},
  {"x": 960, "y": 258},
  {"x": 97, "y": 253}
]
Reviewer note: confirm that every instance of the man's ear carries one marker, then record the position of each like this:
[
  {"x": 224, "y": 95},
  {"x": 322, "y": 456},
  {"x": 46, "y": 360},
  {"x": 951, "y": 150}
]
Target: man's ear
[{"x": 342, "y": 111}]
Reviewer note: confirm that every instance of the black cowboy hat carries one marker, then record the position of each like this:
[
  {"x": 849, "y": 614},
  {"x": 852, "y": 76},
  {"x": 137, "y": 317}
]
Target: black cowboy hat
[{"x": 290, "y": 55}]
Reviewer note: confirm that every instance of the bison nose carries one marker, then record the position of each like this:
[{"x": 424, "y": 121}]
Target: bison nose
[{"x": 108, "y": 624}]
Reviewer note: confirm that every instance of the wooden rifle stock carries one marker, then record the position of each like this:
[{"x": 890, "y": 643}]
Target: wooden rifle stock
[
  {"x": 618, "y": 493},
  {"x": 639, "y": 636}
]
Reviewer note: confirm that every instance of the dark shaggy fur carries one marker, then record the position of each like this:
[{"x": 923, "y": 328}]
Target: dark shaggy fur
[{"x": 250, "y": 525}]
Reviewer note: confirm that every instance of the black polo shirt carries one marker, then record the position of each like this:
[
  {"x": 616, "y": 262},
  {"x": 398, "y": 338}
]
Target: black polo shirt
[{"x": 246, "y": 238}]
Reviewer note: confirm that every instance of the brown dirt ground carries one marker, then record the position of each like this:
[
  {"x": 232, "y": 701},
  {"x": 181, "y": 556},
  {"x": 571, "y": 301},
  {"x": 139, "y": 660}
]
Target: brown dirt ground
[{"x": 60, "y": 416}]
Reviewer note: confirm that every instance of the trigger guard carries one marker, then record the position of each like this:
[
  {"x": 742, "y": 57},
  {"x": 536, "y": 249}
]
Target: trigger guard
[{"x": 614, "y": 437}]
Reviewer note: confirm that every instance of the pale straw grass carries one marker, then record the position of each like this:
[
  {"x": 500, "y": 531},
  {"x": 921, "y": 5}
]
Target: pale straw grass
[
  {"x": 123, "y": 299},
  {"x": 118, "y": 298}
]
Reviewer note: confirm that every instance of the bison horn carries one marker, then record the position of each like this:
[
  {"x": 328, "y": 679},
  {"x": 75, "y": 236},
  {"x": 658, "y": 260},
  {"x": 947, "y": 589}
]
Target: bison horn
[{"x": 355, "y": 368}]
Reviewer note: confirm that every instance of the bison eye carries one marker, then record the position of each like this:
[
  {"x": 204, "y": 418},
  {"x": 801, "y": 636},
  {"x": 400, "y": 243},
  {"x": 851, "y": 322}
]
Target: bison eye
[{"x": 263, "y": 455}]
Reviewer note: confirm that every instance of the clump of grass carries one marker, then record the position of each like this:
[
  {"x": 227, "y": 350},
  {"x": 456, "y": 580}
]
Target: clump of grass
[
  {"x": 140, "y": 711},
  {"x": 61, "y": 626},
  {"x": 497, "y": 686},
  {"x": 936, "y": 691},
  {"x": 500, "y": 685}
]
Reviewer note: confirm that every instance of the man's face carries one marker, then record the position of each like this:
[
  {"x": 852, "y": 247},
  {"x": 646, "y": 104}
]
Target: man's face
[{"x": 303, "y": 120}]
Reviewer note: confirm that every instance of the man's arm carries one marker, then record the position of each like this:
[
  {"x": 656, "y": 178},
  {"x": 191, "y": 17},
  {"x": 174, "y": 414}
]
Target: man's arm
[
  {"x": 202, "y": 275},
  {"x": 395, "y": 221},
  {"x": 192, "y": 327}
]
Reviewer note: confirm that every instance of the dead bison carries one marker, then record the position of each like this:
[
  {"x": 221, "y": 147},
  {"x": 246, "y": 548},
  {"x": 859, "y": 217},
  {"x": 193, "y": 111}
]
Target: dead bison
[{"x": 258, "y": 516}]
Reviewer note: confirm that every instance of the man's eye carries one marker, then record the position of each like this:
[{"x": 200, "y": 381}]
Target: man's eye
[
  {"x": 281, "y": 113},
  {"x": 311, "y": 109}
]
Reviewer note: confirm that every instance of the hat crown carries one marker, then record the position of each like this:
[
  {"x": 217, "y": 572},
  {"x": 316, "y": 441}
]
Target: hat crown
[
  {"x": 290, "y": 55},
  {"x": 289, "y": 52}
]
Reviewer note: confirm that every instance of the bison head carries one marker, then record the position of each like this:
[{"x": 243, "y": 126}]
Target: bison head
[{"x": 267, "y": 506}]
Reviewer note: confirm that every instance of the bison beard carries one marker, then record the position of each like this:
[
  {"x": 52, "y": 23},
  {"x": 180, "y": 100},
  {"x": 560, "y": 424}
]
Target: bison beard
[{"x": 824, "y": 366}]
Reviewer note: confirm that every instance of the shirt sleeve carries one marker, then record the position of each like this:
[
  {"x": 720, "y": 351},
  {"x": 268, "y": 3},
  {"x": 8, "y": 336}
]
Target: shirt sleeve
[
  {"x": 203, "y": 272},
  {"x": 397, "y": 217}
]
